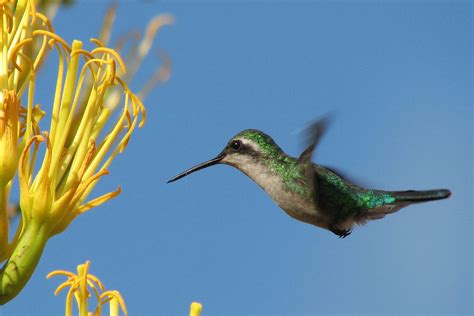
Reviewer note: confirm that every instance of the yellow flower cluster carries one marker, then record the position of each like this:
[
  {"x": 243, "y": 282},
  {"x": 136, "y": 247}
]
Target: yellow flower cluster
[
  {"x": 58, "y": 166},
  {"x": 81, "y": 285}
]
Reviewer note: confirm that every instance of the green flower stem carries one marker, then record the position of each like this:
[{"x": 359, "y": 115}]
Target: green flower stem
[{"x": 23, "y": 261}]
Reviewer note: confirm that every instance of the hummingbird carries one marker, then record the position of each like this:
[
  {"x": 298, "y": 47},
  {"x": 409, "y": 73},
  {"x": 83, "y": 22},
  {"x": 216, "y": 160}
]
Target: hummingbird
[{"x": 309, "y": 192}]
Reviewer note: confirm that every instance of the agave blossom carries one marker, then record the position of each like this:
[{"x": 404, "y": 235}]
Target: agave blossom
[
  {"x": 84, "y": 286},
  {"x": 93, "y": 115},
  {"x": 81, "y": 285}
]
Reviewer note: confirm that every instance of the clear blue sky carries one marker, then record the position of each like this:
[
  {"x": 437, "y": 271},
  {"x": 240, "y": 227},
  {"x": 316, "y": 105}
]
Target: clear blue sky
[{"x": 398, "y": 76}]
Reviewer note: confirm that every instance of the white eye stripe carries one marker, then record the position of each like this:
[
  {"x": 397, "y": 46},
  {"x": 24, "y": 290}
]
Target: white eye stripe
[{"x": 250, "y": 144}]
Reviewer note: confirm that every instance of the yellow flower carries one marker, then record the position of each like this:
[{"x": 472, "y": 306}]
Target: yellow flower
[
  {"x": 93, "y": 115},
  {"x": 8, "y": 135},
  {"x": 19, "y": 19},
  {"x": 78, "y": 147},
  {"x": 9, "y": 105},
  {"x": 81, "y": 285}
]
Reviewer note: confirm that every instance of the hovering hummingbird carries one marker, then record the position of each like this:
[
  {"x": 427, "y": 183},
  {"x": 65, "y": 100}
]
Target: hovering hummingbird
[{"x": 307, "y": 191}]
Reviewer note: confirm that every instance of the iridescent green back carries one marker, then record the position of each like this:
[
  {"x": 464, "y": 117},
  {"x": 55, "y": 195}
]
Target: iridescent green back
[{"x": 338, "y": 196}]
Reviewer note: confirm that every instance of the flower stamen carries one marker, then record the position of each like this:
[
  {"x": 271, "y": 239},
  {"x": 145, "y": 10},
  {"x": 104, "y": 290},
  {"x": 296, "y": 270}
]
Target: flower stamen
[{"x": 80, "y": 286}]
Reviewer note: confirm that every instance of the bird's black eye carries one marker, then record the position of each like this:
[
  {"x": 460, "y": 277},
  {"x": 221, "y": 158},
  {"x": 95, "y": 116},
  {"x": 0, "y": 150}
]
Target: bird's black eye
[{"x": 236, "y": 144}]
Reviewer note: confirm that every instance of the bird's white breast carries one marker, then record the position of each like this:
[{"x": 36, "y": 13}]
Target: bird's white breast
[{"x": 291, "y": 202}]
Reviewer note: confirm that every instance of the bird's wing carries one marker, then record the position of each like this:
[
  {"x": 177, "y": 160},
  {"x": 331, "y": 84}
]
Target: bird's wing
[
  {"x": 314, "y": 133},
  {"x": 343, "y": 175}
]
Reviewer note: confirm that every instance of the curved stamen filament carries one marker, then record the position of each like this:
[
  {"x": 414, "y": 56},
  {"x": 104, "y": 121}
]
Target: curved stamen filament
[
  {"x": 54, "y": 37},
  {"x": 113, "y": 53}
]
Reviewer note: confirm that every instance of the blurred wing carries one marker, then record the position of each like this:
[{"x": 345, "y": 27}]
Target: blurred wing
[{"x": 314, "y": 133}]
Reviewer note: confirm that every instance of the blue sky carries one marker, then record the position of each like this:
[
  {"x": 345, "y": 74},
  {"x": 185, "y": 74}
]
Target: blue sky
[{"x": 397, "y": 75}]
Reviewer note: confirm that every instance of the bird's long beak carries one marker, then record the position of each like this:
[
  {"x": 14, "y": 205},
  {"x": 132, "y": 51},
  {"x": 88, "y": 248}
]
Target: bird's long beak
[{"x": 203, "y": 165}]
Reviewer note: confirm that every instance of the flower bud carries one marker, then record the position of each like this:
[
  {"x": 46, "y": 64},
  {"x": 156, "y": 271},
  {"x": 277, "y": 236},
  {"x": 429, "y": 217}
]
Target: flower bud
[{"x": 9, "y": 108}]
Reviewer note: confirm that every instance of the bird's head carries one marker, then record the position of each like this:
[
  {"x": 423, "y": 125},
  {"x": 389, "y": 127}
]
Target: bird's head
[{"x": 245, "y": 151}]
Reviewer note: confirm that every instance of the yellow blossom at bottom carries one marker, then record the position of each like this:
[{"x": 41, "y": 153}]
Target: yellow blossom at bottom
[{"x": 81, "y": 285}]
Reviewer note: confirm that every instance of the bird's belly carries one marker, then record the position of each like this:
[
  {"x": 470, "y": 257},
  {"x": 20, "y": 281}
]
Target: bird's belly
[
  {"x": 294, "y": 204},
  {"x": 301, "y": 209}
]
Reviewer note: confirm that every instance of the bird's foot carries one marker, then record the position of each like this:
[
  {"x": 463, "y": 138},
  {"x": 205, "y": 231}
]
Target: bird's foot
[{"x": 342, "y": 233}]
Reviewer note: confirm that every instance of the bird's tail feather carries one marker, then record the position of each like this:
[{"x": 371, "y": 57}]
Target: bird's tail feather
[
  {"x": 412, "y": 196},
  {"x": 403, "y": 199}
]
